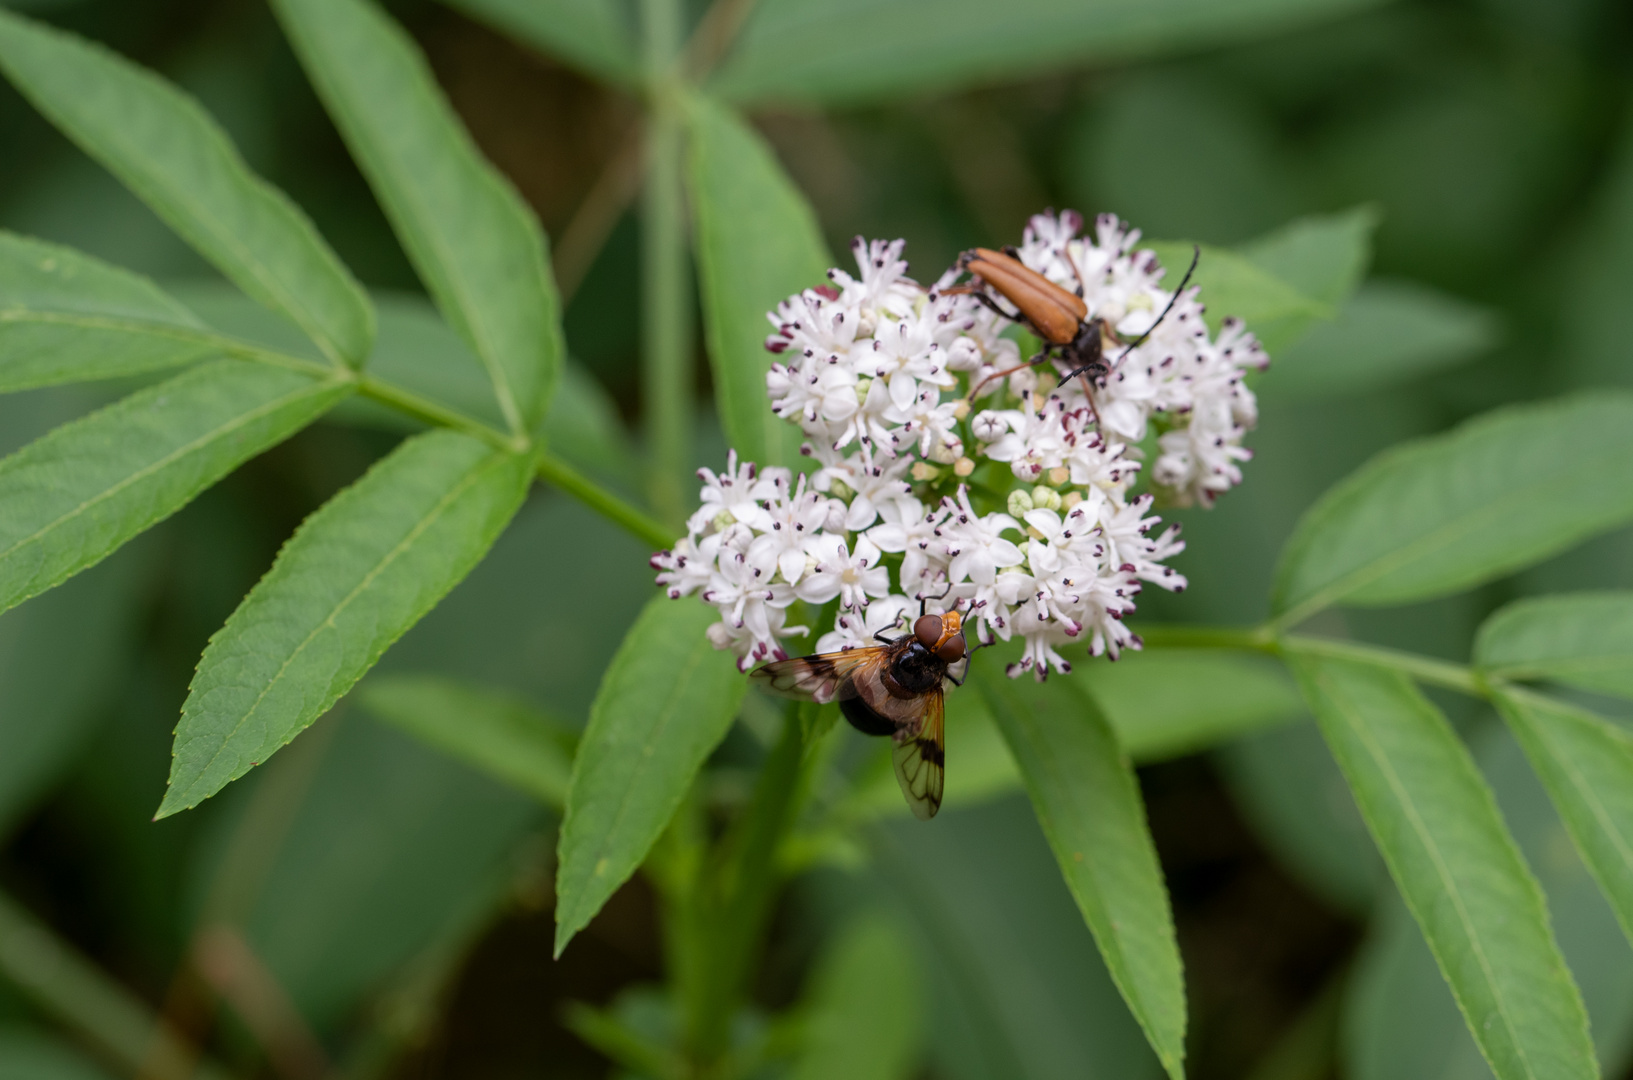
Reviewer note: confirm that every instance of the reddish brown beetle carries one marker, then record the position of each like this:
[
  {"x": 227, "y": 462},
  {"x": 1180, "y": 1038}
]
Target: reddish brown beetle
[{"x": 1059, "y": 318}]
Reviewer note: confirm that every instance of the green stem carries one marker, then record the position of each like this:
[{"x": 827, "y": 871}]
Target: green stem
[
  {"x": 435, "y": 414},
  {"x": 556, "y": 472},
  {"x": 1209, "y": 637},
  {"x": 666, "y": 312},
  {"x": 77, "y": 992},
  {"x": 1457, "y": 677}
]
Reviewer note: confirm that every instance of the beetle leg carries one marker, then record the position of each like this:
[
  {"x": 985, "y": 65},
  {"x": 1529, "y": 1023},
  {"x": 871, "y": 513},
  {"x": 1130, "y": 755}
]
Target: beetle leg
[
  {"x": 1034, "y": 362},
  {"x": 988, "y": 302}
]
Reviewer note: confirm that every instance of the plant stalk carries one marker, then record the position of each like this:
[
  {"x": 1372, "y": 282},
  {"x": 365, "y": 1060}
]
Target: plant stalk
[{"x": 666, "y": 287}]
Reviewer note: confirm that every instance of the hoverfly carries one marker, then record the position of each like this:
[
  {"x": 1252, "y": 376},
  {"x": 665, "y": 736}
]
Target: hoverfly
[
  {"x": 893, "y": 688},
  {"x": 1057, "y": 317}
]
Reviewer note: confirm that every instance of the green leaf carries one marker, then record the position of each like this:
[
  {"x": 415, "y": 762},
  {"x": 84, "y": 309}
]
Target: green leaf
[
  {"x": 1437, "y": 825},
  {"x": 356, "y": 575},
  {"x": 592, "y": 35},
  {"x": 865, "y": 1007},
  {"x": 66, "y": 317},
  {"x": 1234, "y": 285},
  {"x": 757, "y": 244},
  {"x": 1442, "y": 514},
  {"x": 1323, "y": 256},
  {"x": 168, "y": 151},
  {"x": 1579, "y": 639},
  {"x": 1586, "y": 763},
  {"x": 1164, "y": 703},
  {"x": 1389, "y": 332},
  {"x": 666, "y": 701},
  {"x": 793, "y": 51},
  {"x": 1088, "y": 802},
  {"x": 1400, "y": 1018},
  {"x": 497, "y": 733},
  {"x": 475, "y": 243},
  {"x": 75, "y": 495}
]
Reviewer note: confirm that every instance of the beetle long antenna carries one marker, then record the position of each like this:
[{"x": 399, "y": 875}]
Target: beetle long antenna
[{"x": 1196, "y": 257}]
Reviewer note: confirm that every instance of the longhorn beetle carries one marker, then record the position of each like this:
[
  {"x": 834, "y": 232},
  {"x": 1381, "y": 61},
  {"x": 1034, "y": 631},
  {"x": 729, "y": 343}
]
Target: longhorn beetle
[{"x": 1057, "y": 317}]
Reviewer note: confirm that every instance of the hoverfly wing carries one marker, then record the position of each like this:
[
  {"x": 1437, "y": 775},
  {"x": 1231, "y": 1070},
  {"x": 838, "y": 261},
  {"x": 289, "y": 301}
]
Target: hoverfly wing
[
  {"x": 821, "y": 678},
  {"x": 920, "y": 756}
]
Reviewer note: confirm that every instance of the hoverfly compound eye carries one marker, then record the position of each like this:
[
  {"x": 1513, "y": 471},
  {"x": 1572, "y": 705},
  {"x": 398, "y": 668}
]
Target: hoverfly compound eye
[
  {"x": 928, "y": 630},
  {"x": 951, "y": 651}
]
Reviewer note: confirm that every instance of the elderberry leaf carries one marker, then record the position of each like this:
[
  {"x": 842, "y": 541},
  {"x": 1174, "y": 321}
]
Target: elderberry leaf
[
  {"x": 1234, "y": 286},
  {"x": 66, "y": 317},
  {"x": 174, "y": 157},
  {"x": 1583, "y": 640},
  {"x": 1437, "y": 826},
  {"x": 1586, "y": 763},
  {"x": 1324, "y": 255},
  {"x": 355, "y": 576},
  {"x": 1441, "y": 514},
  {"x": 1087, "y": 800},
  {"x": 474, "y": 242},
  {"x": 757, "y": 243},
  {"x": 666, "y": 701},
  {"x": 74, "y": 496}
]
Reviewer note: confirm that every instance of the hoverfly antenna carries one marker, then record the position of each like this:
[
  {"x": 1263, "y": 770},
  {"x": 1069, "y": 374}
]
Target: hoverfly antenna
[{"x": 1196, "y": 257}]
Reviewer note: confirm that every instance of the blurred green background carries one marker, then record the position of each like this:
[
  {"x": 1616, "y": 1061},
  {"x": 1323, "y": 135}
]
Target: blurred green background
[{"x": 397, "y": 904}]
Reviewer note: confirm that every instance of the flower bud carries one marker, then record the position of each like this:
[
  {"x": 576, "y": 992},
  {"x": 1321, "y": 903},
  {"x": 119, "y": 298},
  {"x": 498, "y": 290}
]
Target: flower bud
[
  {"x": 1071, "y": 499},
  {"x": 1046, "y": 498},
  {"x": 924, "y": 472},
  {"x": 1020, "y": 501},
  {"x": 988, "y": 426},
  {"x": 963, "y": 467},
  {"x": 1059, "y": 475}
]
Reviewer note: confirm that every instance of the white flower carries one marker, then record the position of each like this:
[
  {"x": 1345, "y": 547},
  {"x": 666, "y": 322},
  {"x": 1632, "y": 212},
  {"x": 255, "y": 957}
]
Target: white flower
[
  {"x": 908, "y": 529},
  {"x": 735, "y": 493},
  {"x": 882, "y": 376},
  {"x": 794, "y": 518},
  {"x": 854, "y": 577},
  {"x": 976, "y": 548},
  {"x": 853, "y": 629}
]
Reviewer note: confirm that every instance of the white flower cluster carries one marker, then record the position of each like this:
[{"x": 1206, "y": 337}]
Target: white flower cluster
[{"x": 1007, "y": 496}]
